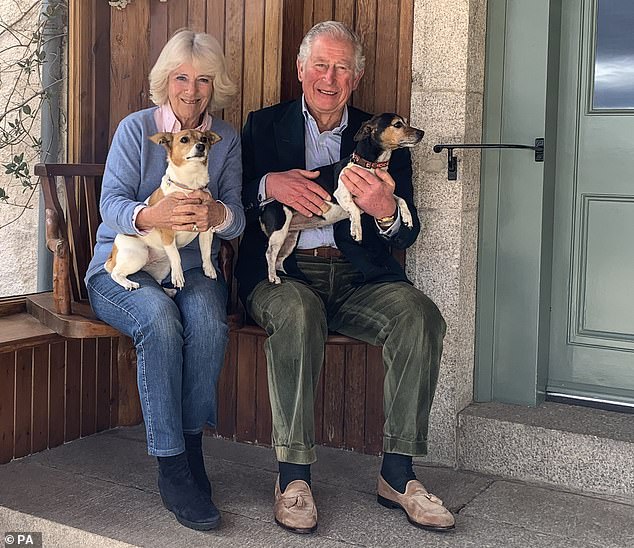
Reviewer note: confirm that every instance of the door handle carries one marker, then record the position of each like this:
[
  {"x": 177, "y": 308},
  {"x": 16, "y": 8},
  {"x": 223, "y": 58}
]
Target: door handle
[{"x": 452, "y": 161}]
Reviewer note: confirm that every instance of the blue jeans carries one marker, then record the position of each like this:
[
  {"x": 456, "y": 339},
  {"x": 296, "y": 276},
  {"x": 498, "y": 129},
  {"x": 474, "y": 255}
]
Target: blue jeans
[{"x": 180, "y": 346}]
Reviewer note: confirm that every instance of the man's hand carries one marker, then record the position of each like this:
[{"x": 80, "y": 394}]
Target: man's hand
[
  {"x": 296, "y": 189},
  {"x": 372, "y": 192}
]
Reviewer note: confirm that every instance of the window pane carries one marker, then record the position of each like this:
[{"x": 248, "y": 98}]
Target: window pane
[{"x": 614, "y": 56}]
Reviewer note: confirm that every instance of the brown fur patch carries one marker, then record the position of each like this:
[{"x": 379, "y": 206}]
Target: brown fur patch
[
  {"x": 156, "y": 196},
  {"x": 112, "y": 259},
  {"x": 167, "y": 236}
]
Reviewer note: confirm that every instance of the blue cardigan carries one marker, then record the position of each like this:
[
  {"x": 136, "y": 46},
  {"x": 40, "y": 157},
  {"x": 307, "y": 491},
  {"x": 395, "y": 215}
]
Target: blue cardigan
[{"x": 134, "y": 168}]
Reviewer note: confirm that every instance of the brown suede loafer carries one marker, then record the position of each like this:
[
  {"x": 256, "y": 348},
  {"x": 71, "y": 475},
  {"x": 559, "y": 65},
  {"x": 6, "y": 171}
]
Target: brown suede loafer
[
  {"x": 295, "y": 508},
  {"x": 423, "y": 509}
]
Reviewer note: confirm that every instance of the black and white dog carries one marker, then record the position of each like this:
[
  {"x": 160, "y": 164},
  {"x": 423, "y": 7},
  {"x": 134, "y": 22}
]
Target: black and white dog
[{"x": 376, "y": 139}]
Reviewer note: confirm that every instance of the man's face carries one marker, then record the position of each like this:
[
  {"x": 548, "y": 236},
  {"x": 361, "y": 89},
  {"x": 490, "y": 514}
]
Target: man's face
[{"x": 328, "y": 77}]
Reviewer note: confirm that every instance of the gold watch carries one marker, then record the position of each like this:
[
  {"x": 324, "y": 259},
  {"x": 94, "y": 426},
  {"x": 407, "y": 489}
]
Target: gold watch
[{"x": 386, "y": 222}]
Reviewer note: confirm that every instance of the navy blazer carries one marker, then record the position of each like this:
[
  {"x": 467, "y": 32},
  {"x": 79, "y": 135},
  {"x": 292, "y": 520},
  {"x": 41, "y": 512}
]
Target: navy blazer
[{"x": 273, "y": 140}]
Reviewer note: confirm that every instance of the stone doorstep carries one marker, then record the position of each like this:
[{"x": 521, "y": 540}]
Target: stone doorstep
[{"x": 571, "y": 447}]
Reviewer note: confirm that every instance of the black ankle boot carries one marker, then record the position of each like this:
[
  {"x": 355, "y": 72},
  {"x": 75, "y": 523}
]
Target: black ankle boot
[
  {"x": 194, "y": 450},
  {"x": 182, "y": 496}
]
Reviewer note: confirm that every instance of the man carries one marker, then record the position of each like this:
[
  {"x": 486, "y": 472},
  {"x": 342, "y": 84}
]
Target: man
[{"x": 333, "y": 282}]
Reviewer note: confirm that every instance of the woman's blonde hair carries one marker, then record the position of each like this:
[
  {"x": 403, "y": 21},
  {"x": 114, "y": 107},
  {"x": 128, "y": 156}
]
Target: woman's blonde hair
[{"x": 204, "y": 52}]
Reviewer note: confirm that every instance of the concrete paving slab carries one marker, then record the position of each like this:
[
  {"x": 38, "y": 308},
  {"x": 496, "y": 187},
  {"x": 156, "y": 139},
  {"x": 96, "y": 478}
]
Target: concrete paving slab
[
  {"x": 581, "y": 520},
  {"x": 105, "y": 486}
]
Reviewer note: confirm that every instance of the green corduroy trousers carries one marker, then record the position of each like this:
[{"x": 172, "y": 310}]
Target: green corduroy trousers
[{"x": 395, "y": 315}]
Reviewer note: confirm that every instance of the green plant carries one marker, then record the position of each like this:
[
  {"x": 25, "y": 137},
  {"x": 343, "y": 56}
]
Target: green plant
[{"x": 22, "y": 57}]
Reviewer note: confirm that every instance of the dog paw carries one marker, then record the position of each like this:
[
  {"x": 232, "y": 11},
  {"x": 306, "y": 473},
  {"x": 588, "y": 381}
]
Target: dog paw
[
  {"x": 178, "y": 280},
  {"x": 356, "y": 234},
  {"x": 275, "y": 280},
  {"x": 130, "y": 285},
  {"x": 210, "y": 272}
]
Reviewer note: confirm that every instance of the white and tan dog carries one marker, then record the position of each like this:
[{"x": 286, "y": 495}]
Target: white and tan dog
[{"x": 157, "y": 251}]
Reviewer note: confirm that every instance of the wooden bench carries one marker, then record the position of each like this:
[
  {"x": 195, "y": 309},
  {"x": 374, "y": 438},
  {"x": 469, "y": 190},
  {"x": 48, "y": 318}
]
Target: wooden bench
[{"x": 349, "y": 404}]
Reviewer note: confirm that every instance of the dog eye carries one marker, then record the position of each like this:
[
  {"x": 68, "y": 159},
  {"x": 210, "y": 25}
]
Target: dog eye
[
  {"x": 184, "y": 139},
  {"x": 203, "y": 139},
  {"x": 398, "y": 124}
]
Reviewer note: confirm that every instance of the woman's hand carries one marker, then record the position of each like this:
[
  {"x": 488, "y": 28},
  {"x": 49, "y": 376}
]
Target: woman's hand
[{"x": 179, "y": 211}]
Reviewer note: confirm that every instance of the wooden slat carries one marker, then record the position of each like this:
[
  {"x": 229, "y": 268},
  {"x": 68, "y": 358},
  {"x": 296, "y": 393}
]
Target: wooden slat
[
  {"x": 308, "y": 15},
  {"x": 197, "y": 15},
  {"x": 104, "y": 360},
  {"x": 129, "y": 43},
  {"x": 88, "y": 386},
  {"x": 253, "y": 56},
  {"x": 216, "y": 20},
  {"x": 23, "y": 387},
  {"x": 245, "y": 415},
  {"x": 292, "y": 33},
  {"x": 334, "y": 382},
  {"x": 40, "y": 398},
  {"x": 323, "y": 10},
  {"x": 72, "y": 411},
  {"x": 344, "y": 12},
  {"x": 374, "y": 401},
  {"x": 386, "y": 58},
  {"x": 177, "y": 16},
  {"x": 406, "y": 34},
  {"x": 263, "y": 404},
  {"x": 227, "y": 391},
  {"x": 354, "y": 406},
  {"x": 234, "y": 53},
  {"x": 114, "y": 383},
  {"x": 319, "y": 408},
  {"x": 158, "y": 30},
  {"x": 57, "y": 370},
  {"x": 365, "y": 24},
  {"x": 7, "y": 402},
  {"x": 272, "y": 52},
  {"x": 100, "y": 83}
]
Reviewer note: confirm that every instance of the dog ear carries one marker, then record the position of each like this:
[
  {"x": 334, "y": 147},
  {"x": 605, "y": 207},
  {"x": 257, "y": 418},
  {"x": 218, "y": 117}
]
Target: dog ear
[
  {"x": 364, "y": 131},
  {"x": 163, "y": 138},
  {"x": 213, "y": 137}
]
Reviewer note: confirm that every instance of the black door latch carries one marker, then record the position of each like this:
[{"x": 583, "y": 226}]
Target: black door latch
[{"x": 452, "y": 161}]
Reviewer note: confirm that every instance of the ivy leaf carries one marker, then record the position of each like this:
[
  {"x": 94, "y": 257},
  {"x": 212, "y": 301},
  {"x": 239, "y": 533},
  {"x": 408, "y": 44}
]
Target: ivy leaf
[{"x": 26, "y": 109}]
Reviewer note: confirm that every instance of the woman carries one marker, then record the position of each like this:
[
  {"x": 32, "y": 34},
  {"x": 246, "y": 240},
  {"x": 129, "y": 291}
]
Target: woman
[{"x": 180, "y": 341}]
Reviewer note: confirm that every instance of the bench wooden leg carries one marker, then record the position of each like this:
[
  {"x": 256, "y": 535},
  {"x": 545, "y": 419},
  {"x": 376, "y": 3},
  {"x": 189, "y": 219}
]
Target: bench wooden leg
[{"x": 129, "y": 406}]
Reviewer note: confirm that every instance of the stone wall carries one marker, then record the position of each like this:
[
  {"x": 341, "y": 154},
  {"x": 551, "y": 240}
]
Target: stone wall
[
  {"x": 447, "y": 99},
  {"x": 18, "y": 267}
]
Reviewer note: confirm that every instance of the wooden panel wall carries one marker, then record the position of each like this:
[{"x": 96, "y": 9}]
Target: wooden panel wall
[
  {"x": 386, "y": 30},
  {"x": 55, "y": 391}
]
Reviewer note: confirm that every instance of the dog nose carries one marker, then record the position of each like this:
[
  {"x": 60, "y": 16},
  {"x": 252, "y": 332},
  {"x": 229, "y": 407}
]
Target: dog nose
[
  {"x": 200, "y": 147},
  {"x": 420, "y": 133}
]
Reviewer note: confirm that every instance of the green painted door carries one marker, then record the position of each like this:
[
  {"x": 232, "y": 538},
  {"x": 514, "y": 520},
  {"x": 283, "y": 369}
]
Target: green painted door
[{"x": 592, "y": 316}]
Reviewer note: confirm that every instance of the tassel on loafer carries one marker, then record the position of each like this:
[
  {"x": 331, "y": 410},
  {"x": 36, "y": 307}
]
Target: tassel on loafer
[{"x": 423, "y": 509}]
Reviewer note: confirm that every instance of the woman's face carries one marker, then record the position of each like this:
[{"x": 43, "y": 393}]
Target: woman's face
[{"x": 189, "y": 93}]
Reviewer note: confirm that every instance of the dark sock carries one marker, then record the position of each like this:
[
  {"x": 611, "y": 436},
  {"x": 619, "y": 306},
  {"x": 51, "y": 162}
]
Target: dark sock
[
  {"x": 397, "y": 470},
  {"x": 291, "y": 472}
]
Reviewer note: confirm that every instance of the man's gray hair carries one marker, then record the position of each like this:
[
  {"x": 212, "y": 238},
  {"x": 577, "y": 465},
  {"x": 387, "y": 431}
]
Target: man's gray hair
[{"x": 336, "y": 30}]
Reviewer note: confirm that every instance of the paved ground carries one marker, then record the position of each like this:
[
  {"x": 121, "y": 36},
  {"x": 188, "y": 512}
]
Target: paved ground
[{"x": 101, "y": 491}]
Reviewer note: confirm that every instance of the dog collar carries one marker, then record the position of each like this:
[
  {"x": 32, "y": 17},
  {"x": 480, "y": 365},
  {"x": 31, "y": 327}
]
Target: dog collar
[
  {"x": 175, "y": 183},
  {"x": 356, "y": 159}
]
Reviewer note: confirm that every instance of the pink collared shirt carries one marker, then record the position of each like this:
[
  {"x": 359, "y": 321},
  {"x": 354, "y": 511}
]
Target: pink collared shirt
[{"x": 166, "y": 121}]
